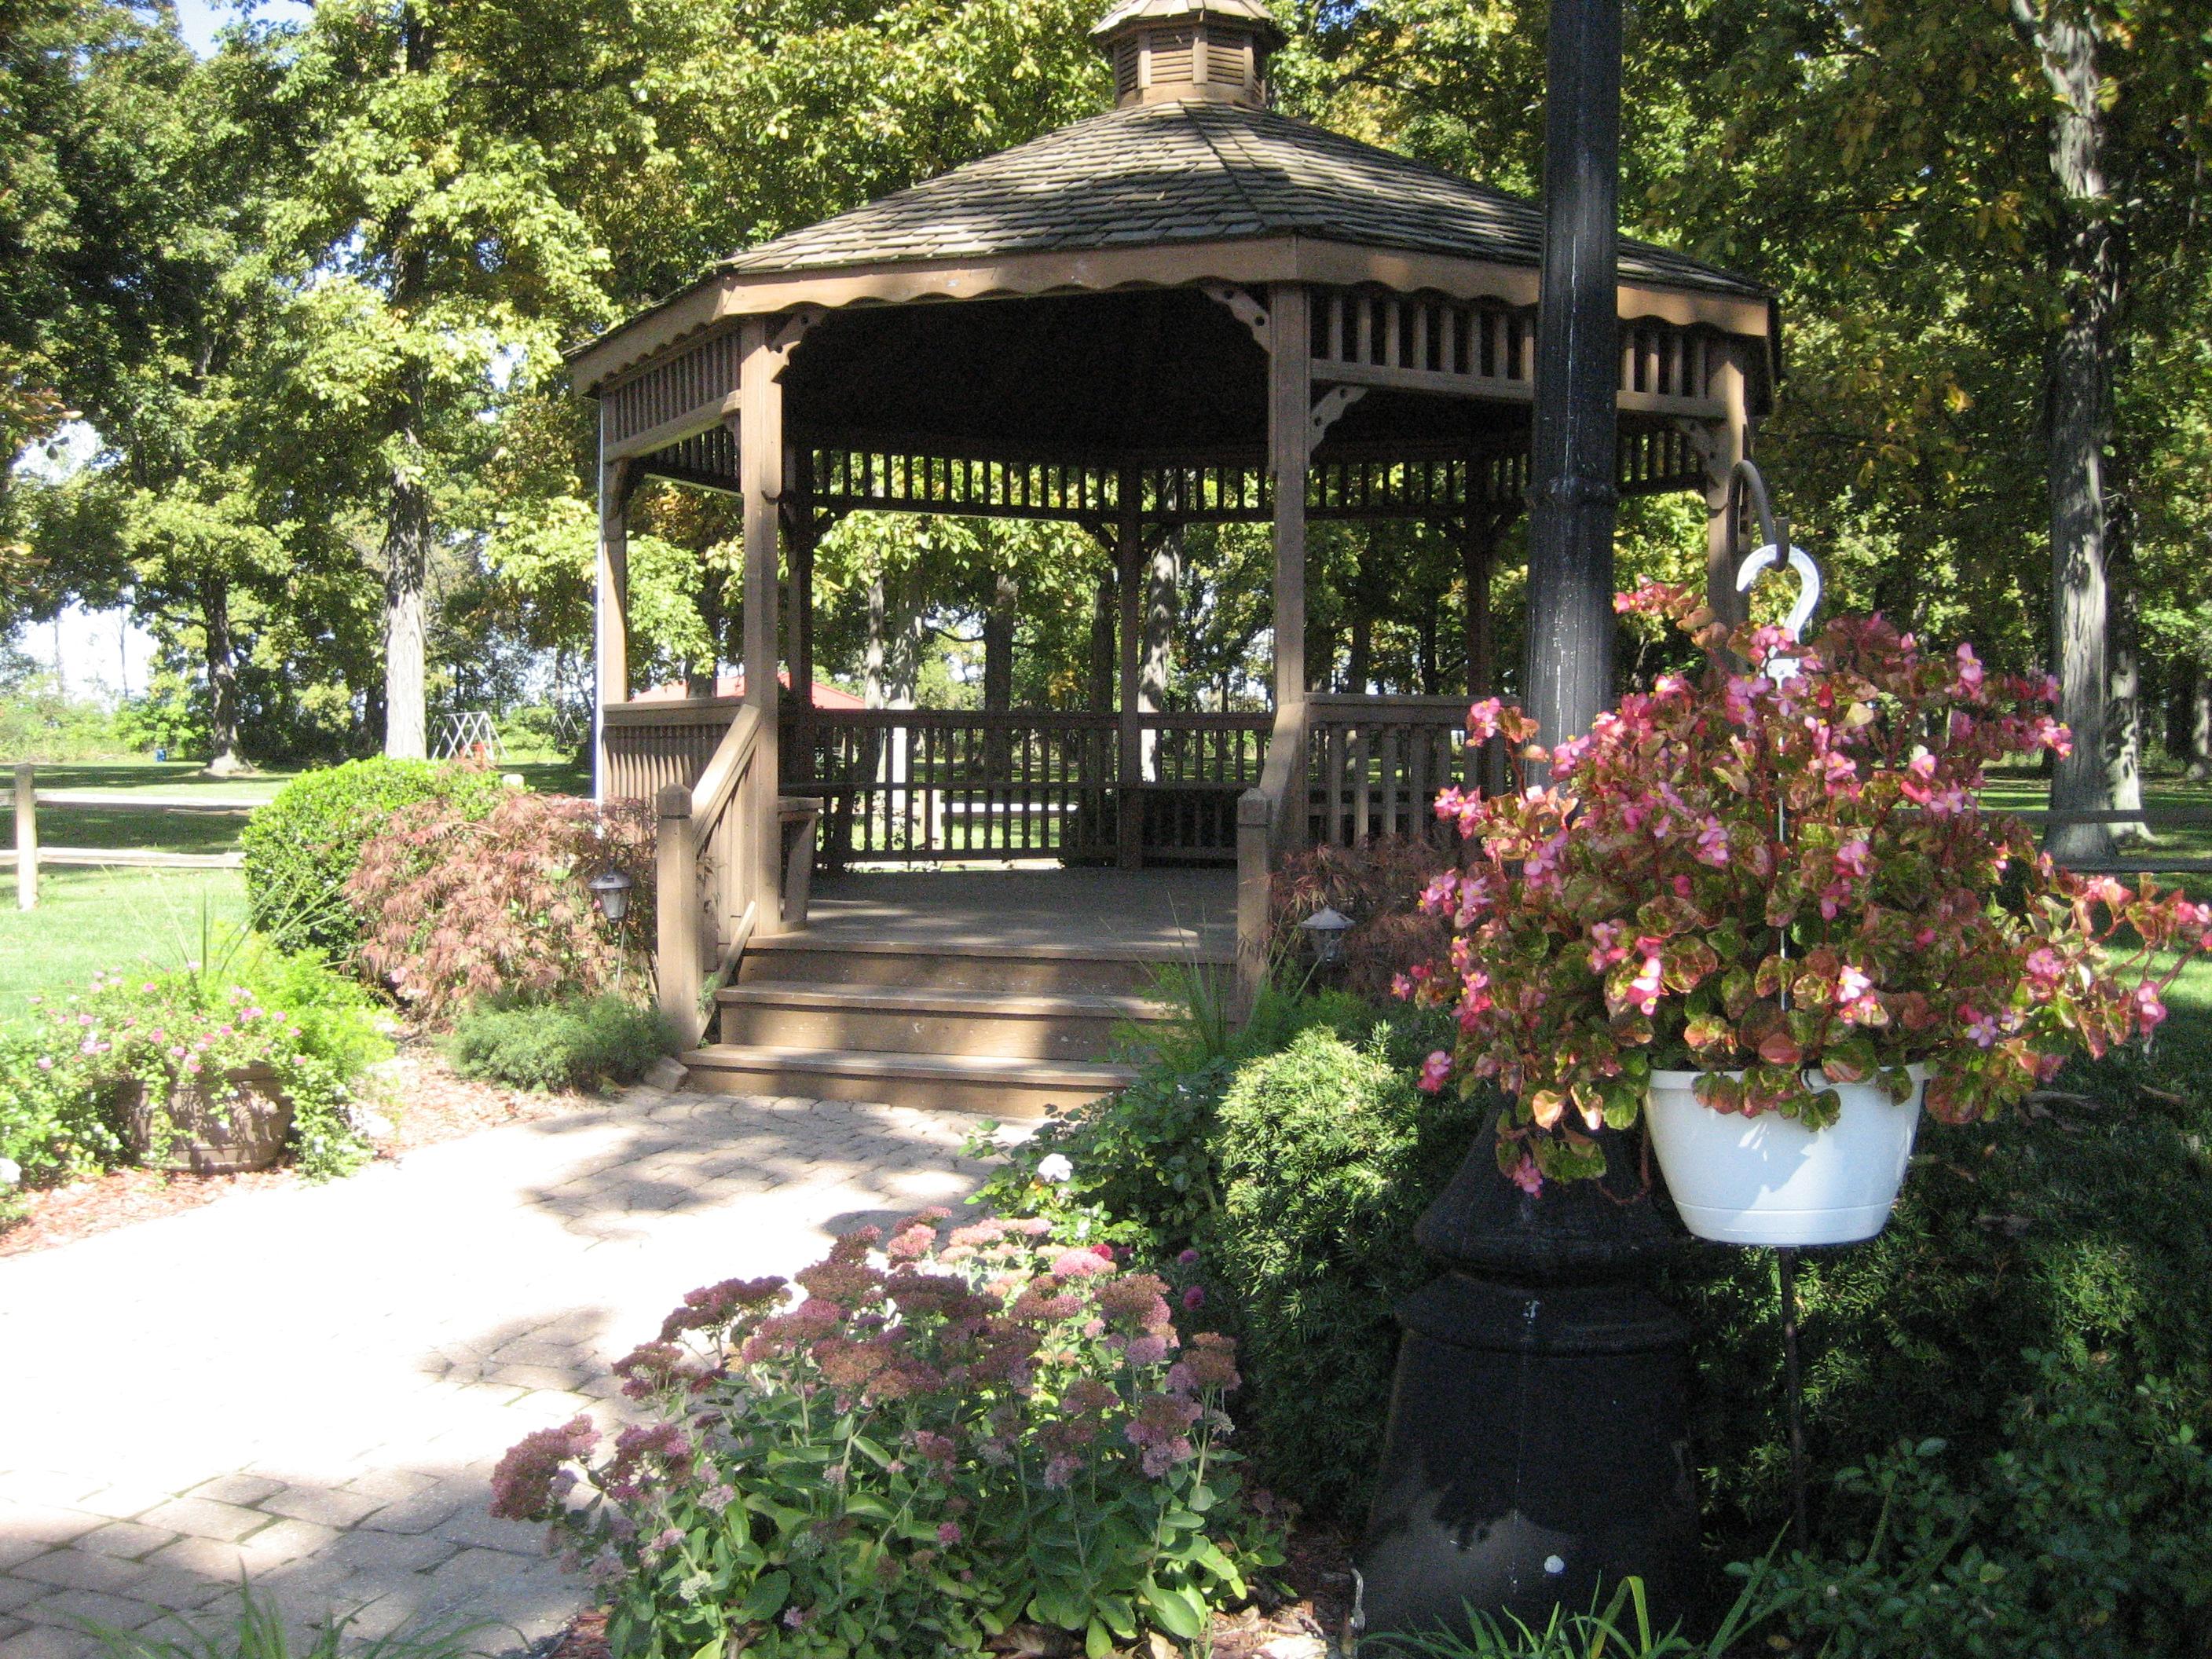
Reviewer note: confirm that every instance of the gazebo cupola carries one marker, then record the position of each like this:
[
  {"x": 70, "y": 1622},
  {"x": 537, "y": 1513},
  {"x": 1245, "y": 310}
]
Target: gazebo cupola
[{"x": 1173, "y": 52}]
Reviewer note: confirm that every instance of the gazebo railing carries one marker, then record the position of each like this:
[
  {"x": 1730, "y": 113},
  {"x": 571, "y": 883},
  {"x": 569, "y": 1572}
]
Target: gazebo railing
[
  {"x": 1375, "y": 765},
  {"x": 914, "y": 785}
]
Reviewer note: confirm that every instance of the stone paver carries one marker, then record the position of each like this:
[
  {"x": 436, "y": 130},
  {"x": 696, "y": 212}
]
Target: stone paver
[{"x": 309, "y": 1386}]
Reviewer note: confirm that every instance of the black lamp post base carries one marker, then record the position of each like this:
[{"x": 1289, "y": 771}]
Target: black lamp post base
[{"x": 1538, "y": 1452}]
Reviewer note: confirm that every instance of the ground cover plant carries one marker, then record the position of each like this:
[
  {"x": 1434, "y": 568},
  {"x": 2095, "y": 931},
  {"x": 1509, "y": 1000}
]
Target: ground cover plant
[
  {"x": 579, "y": 1042},
  {"x": 966, "y": 1434},
  {"x": 455, "y": 905}
]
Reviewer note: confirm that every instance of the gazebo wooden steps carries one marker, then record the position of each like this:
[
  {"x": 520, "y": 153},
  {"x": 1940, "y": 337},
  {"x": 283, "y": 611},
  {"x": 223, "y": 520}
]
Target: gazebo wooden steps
[
  {"x": 1027, "y": 968},
  {"x": 966, "y": 1018},
  {"x": 913, "y": 1020},
  {"x": 991, "y": 1085}
]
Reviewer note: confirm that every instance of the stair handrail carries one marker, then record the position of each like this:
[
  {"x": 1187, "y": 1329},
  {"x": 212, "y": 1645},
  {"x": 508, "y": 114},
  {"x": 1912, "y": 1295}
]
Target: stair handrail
[
  {"x": 1267, "y": 825},
  {"x": 703, "y": 827}
]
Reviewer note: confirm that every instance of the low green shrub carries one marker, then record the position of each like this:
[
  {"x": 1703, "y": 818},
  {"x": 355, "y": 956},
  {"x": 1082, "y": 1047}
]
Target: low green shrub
[
  {"x": 2083, "y": 1229},
  {"x": 980, "y": 1430},
  {"x": 340, "y": 1020},
  {"x": 1294, "y": 1164},
  {"x": 2087, "y": 1535},
  {"x": 303, "y": 847},
  {"x": 576, "y": 1044},
  {"x": 1328, "y": 1154}
]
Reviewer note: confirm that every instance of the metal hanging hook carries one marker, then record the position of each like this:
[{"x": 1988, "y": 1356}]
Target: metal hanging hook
[{"x": 1776, "y": 547}]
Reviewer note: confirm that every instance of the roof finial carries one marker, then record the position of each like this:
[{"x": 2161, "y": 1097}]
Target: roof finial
[{"x": 1168, "y": 51}]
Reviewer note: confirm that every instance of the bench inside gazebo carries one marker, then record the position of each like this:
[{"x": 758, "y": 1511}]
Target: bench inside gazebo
[{"x": 1185, "y": 310}]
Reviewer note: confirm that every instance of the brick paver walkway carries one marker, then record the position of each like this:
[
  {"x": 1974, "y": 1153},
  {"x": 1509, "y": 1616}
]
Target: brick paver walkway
[{"x": 309, "y": 1386}]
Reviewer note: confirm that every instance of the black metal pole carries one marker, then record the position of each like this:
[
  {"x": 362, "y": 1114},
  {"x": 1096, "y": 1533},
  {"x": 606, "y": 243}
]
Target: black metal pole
[
  {"x": 1538, "y": 1447},
  {"x": 1794, "y": 1383},
  {"x": 1572, "y": 496}
]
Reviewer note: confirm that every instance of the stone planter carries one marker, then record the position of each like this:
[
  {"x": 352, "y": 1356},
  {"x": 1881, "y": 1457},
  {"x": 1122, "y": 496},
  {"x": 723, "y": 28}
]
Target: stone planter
[
  {"x": 241, "y": 1124},
  {"x": 1770, "y": 1180}
]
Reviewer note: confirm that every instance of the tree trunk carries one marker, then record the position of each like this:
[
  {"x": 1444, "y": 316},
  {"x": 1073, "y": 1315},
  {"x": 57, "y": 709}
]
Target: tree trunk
[
  {"x": 1162, "y": 575},
  {"x": 407, "y": 522},
  {"x": 2124, "y": 709},
  {"x": 406, "y": 614},
  {"x": 223, "y": 759},
  {"x": 1101, "y": 646},
  {"x": 2080, "y": 419},
  {"x": 2200, "y": 724},
  {"x": 1428, "y": 631},
  {"x": 998, "y": 624}
]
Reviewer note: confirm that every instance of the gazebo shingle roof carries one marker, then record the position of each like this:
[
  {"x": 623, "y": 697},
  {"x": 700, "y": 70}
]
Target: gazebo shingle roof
[{"x": 1158, "y": 174}]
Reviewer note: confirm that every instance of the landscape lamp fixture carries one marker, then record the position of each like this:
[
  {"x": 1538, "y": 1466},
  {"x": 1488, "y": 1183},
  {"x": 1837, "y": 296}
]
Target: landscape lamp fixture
[
  {"x": 610, "y": 892},
  {"x": 1326, "y": 927}
]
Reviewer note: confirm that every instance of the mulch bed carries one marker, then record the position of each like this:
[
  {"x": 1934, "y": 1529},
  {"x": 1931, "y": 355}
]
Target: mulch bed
[{"x": 418, "y": 1094}]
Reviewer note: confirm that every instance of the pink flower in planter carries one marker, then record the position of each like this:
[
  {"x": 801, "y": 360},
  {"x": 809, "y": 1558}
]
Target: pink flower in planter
[
  {"x": 46, "y": 1064},
  {"x": 1527, "y": 1176},
  {"x": 1981, "y": 1028},
  {"x": 948, "y": 1531}
]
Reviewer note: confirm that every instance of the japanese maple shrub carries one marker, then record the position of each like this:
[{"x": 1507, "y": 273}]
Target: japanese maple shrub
[
  {"x": 934, "y": 1444},
  {"x": 456, "y": 908},
  {"x": 1786, "y": 876}
]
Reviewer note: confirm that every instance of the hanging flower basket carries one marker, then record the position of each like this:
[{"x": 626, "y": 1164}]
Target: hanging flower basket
[
  {"x": 1770, "y": 1179},
  {"x": 1769, "y": 908}
]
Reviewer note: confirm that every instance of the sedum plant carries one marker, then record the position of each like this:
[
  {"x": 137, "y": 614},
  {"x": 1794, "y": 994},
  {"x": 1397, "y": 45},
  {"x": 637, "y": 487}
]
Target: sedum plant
[
  {"x": 930, "y": 1447},
  {"x": 1783, "y": 880}
]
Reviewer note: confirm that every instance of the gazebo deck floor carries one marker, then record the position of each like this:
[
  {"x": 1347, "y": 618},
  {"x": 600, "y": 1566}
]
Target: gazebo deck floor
[{"x": 1163, "y": 913}]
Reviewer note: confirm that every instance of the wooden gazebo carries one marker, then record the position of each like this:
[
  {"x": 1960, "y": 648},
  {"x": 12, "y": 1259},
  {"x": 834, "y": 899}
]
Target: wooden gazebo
[{"x": 1186, "y": 309}]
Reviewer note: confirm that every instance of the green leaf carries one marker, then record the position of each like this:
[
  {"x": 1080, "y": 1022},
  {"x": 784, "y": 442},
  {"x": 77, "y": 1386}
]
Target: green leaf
[
  {"x": 1180, "y": 1612},
  {"x": 1098, "y": 1642},
  {"x": 769, "y": 1592}
]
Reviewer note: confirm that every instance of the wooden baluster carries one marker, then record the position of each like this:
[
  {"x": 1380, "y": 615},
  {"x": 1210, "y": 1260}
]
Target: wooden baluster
[{"x": 1361, "y": 743}]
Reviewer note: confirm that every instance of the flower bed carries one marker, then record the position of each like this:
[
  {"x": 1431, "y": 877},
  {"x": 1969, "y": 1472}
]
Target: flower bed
[{"x": 927, "y": 1451}]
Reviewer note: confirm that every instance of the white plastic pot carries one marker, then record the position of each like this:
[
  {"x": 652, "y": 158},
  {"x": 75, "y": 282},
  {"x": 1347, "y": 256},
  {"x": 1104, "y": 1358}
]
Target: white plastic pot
[{"x": 1768, "y": 1179}]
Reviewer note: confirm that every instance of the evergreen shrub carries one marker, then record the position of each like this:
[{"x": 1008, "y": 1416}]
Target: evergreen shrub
[
  {"x": 579, "y": 1043},
  {"x": 303, "y": 847}
]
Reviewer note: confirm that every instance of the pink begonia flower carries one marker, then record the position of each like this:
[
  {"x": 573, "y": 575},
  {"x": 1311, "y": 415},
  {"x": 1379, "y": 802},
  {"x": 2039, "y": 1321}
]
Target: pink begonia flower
[
  {"x": 1853, "y": 858},
  {"x": 1527, "y": 1176},
  {"x": 1969, "y": 682},
  {"x": 2150, "y": 1010},
  {"x": 1644, "y": 989},
  {"x": 1712, "y": 846},
  {"x": 1482, "y": 719},
  {"x": 1981, "y": 1028},
  {"x": 1435, "y": 1069},
  {"x": 2043, "y": 968}
]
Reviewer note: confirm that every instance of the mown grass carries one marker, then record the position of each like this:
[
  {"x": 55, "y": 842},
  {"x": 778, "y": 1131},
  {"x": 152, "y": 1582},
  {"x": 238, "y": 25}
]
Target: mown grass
[{"x": 90, "y": 920}]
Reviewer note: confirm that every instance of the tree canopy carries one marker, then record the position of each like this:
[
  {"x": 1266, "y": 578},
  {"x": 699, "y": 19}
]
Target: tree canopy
[{"x": 309, "y": 292}]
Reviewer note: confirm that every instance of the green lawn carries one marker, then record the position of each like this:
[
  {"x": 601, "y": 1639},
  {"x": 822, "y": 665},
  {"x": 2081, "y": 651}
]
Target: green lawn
[
  {"x": 88, "y": 920},
  {"x": 125, "y": 820}
]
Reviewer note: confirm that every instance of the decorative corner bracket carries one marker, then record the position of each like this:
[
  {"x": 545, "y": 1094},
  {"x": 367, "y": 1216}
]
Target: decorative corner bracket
[
  {"x": 1241, "y": 306},
  {"x": 1328, "y": 406}
]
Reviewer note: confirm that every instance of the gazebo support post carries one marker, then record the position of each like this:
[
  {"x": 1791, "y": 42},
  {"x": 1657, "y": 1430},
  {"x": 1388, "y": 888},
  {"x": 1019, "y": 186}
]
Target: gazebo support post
[
  {"x": 800, "y": 537},
  {"x": 1129, "y": 761},
  {"x": 610, "y": 612},
  {"x": 760, "y": 463},
  {"x": 1726, "y": 442},
  {"x": 1290, "y": 452},
  {"x": 1538, "y": 1445}
]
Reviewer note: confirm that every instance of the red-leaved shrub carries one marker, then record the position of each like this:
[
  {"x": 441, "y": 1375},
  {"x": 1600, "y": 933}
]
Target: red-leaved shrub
[
  {"x": 1378, "y": 884},
  {"x": 454, "y": 909}
]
